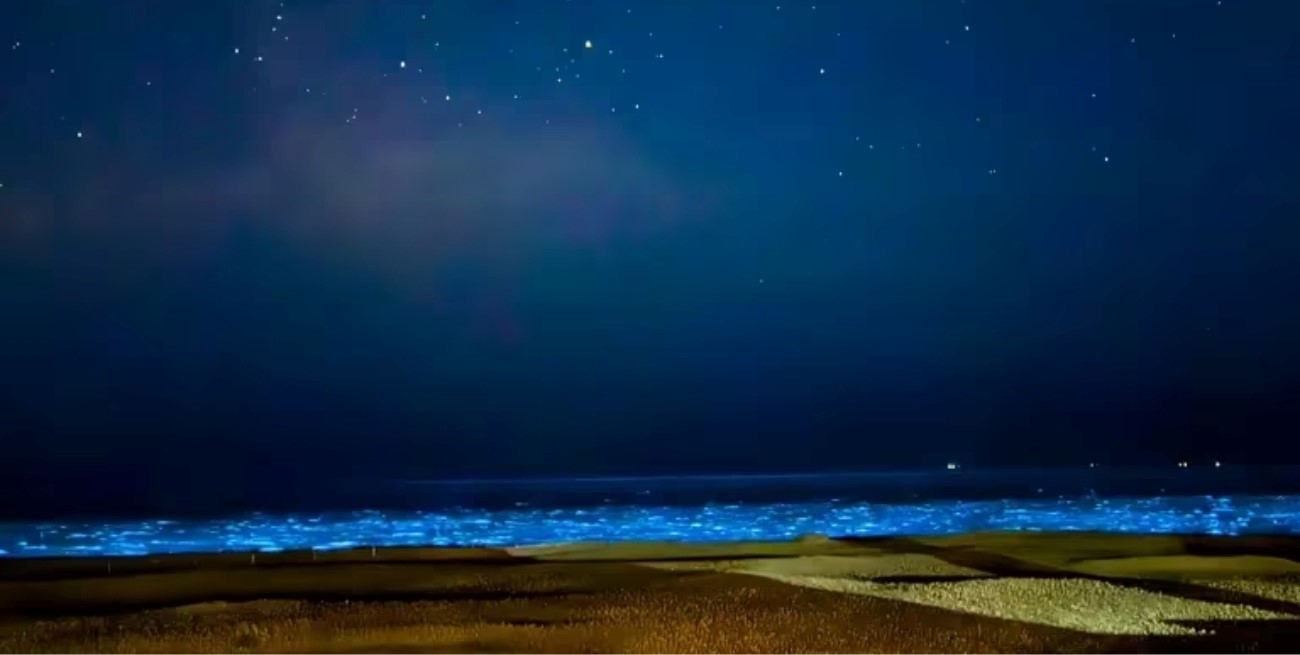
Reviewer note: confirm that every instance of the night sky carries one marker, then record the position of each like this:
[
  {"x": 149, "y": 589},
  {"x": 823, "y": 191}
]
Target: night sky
[{"x": 256, "y": 242}]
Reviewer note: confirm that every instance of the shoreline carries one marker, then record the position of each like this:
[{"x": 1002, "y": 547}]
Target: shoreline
[{"x": 1115, "y": 543}]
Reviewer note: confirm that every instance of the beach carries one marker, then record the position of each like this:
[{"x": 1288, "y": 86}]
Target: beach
[{"x": 996, "y": 592}]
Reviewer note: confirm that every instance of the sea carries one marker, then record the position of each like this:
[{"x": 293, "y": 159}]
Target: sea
[{"x": 1204, "y": 499}]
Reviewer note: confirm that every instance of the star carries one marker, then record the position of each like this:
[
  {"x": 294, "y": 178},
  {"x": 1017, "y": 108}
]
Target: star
[{"x": 768, "y": 113}]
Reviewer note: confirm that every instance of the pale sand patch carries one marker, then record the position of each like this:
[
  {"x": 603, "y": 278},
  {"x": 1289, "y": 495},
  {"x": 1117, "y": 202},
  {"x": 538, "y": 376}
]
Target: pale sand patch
[
  {"x": 1077, "y": 604},
  {"x": 1283, "y": 590},
  {"x": 864, "y": 568},
  {"x": 1187, "y": 566},
  {"x": 869, "y": 567}
]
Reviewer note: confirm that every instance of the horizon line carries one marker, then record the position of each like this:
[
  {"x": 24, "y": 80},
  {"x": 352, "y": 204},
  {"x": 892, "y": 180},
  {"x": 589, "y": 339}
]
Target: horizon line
[{"x": 943, "y": 469}]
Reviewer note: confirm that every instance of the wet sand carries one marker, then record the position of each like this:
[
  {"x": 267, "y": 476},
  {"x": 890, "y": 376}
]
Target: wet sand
[{"x": 973, "y": 593}]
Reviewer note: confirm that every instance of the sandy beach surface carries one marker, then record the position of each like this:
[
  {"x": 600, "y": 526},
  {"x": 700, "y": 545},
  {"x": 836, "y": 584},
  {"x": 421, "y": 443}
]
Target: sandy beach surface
[{"x": 972, "y": 593}]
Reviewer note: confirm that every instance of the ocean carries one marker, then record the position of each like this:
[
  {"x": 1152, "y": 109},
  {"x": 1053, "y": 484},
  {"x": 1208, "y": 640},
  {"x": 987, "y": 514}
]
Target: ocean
[{"x": 1203, "y": 499}]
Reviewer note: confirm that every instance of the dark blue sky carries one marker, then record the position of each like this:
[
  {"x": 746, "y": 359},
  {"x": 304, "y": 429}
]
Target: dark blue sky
[{"x": 243, "y": 240}]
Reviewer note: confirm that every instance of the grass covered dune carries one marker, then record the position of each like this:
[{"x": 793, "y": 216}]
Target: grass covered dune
[{"x": 968, "y": 593}]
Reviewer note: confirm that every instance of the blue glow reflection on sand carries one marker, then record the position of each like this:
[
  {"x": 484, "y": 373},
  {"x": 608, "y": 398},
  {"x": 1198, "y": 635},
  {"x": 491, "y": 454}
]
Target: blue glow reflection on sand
[{"x": 1227, "y": 515}]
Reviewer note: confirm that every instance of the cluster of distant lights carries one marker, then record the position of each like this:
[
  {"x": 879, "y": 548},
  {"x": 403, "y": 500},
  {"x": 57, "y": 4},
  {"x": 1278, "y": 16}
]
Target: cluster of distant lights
[
  {"x": 1182, "y": 464},
  {"x": 526, "y": 525}
]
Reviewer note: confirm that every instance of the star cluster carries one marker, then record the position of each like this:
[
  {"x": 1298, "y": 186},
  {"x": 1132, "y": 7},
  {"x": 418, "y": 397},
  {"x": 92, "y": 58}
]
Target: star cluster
[{"x": 814, "y": 64}]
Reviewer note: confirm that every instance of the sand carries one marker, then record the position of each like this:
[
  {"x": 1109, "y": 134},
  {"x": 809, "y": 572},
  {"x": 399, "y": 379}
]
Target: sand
[
  {"x": 1085, "y": 605},
  {"x": 1196, "y": 567},
  {"x": 975, "y": 593},
  {"x": 1287, "y": 591}
]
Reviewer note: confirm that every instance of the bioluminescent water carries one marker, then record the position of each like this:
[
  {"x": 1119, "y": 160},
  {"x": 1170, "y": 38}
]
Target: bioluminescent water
[
  {"x": 339, "y": 514},
  {"x": 1221, "y": 515}
]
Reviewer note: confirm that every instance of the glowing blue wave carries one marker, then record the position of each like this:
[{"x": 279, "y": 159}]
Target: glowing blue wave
[{"x": 1228, "y": 515}]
